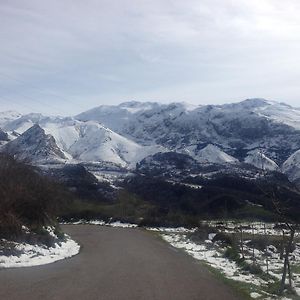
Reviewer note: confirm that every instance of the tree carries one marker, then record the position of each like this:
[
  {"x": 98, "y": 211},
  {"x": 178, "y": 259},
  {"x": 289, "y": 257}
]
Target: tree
[{"x": 282, "y": 213}]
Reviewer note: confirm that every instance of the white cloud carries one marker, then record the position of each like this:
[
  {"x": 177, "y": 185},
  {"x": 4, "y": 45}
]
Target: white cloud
[{"x": 92, "y": 52}]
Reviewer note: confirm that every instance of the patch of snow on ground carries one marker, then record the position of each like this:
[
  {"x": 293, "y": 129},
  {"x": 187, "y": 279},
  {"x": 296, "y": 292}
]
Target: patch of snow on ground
[
  {"x": 255, "y": 295},
  {"x": 171, "y": 229},
  {"x": 35, "y": 255},
  {"x": 213, "y": 254},
  {"x": 103, "y": 223},
  {"x": 122, "y": 225},
  {"x": 206, "y": 252},
  {"x": 95, "y": 222}
]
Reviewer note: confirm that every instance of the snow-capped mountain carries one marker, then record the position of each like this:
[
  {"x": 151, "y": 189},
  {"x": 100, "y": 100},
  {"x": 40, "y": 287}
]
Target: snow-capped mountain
[
  {"x": 116, "y": 117},
  {"x": 291, "y": 167},
  {"x": 125, "y": 134},
  {"x": 98, "y": 143},
  {"x": 235, "y": 128},
  {"x": 261, "y": 161},
  {"x": 82, "y": 141},
  {"x": 212, "y": 154},
  {"x": 7, "y": 116},
  {"x": 36, "y": 146},
  {"x": 183, "y": 168}
]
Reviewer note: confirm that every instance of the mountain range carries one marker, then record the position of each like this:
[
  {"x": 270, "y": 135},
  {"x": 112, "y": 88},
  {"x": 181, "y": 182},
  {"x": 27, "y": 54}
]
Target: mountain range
[{"x": 256, "y": 132}]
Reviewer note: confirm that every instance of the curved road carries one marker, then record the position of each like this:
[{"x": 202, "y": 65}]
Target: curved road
[{"x": 115, "y": 264}]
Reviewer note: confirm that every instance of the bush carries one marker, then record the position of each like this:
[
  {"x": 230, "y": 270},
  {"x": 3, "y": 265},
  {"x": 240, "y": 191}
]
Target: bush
[
  {"x": 232, "y": 254},
  {"x": 226, "y": 239},
  {"x": 26, "y": 198}
]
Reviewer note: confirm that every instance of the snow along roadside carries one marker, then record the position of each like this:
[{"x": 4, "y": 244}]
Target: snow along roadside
[{"x": 36, "y": 255}]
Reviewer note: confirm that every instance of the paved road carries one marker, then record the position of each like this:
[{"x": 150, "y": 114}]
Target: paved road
[{"x": 115, "y": 264}]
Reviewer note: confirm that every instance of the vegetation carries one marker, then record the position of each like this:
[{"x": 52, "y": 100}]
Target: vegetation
[
  {"x": 229, "y": 198},
  {"x": 26, "y": 199},
  {"x": 124, "y": 207}
]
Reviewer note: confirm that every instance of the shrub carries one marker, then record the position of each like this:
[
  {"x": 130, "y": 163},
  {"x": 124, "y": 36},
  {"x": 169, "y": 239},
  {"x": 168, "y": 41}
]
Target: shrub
[
  {"x": 26, "y": 198},
  {"x": 232, "y": 254}
]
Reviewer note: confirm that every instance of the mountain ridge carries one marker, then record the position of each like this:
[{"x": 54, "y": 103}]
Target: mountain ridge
[{"x": 125, "y": 134}]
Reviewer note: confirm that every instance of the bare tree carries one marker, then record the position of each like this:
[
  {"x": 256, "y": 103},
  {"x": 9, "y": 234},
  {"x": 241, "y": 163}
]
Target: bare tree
[{"x": 281, "y": 212}]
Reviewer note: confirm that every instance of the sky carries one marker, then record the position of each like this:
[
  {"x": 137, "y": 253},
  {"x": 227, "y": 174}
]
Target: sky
[{"x": 64, "y": 57}]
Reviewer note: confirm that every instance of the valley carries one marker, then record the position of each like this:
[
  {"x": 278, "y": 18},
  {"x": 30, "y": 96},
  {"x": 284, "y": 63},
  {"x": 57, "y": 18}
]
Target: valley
[{"x": 159, "y": 167}]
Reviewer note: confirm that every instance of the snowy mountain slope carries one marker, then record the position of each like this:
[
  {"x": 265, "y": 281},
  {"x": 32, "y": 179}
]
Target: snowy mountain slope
[
  {"x": 7, "y": 116},
  {"x": 281, "y": 113},
  {"x": 183, "y": 168},
  {"x": 261, "y": 161},
  {"x": 64, "y": 130},
  {"x": 291, "y": 167},
  {"x": 36, "y": 146},
  {"x": 213, "y": 154},
  {"x": 126, "y": 133},
  {"x": 86, "y": 141},
  {"x": 236, "y": 128},
  {"x": 97, "y": 143},
  {"x": 115, "y": 117},
  {"x": 275, "y": 111},
  {"x": 127, "y": 116},
  {"x": 22, "y": 123}
]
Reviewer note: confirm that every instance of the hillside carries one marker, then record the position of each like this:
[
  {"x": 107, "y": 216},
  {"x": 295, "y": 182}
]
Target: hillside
[{"x": 111, "y": 139}]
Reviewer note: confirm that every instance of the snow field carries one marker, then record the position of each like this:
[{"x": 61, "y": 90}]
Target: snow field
[
  {"x": 36, "y": 255},
  {"x": 213, "y": 254}
]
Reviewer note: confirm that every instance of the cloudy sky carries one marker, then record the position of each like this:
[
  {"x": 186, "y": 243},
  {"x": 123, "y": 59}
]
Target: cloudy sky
[{"x": 63, "y": 56}]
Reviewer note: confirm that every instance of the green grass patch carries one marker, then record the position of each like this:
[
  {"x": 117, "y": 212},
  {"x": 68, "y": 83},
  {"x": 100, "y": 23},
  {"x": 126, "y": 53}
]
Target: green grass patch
[
  {"x": 241, "y": 289},
  {"x": 295, "y": 269}
]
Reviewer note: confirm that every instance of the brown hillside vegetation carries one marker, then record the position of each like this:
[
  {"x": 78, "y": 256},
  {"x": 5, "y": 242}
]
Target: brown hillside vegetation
[{"x": 26, "y": 198}]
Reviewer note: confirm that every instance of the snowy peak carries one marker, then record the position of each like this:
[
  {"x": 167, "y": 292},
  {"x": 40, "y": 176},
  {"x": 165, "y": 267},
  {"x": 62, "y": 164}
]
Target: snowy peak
[
  {"x": 22, "y": 123},
  {"x": 126, "y": 116},
  {"x": 213, "y": 154},
  {"x": 98, "y": 143},
  {"x": 126, "y": 133},
  {"x": 253, "y": 103},
  {"x": 34, "y": 145},
  {"x": 79, "y": 141},
  {"x": 281, "y": 113},
  {"x": 134, "y": 107},
  {"x": 291, "y": 167},
  {"x": 114, "y": 117},
  {"x": 238, "y": 126},
  {"x": 261, "y": 161},
  {"x": 7, "y": 116}
]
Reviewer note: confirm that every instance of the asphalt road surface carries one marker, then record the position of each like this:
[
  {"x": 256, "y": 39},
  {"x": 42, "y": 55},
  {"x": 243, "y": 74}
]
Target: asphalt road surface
[{"x": 115, "y": 264}]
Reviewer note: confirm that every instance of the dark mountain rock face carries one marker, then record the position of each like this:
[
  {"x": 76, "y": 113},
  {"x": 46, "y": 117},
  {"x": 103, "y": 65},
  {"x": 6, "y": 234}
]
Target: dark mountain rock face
[
  {"x": 167, "y": 161},
  {"x": 206, "y": 160},
  {"x": 3, "y": 136},
  {"x": 181, "y": 186},
  {"x": 34, "y": 145},
  {"x": 236, "y": 128},
  {"x": 125, "y": 134},
  {"x": 80, "y": 181}
]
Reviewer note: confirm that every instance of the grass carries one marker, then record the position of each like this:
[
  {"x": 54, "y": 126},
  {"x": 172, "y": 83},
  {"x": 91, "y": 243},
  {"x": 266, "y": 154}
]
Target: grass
[
  {"x": 230, "y": 242},
  {"x": 273, "y": 288},
  {"x": 241, "y": 289},
  {"x": 295, "y": 269},
  {"x": 232, "y": 253}
]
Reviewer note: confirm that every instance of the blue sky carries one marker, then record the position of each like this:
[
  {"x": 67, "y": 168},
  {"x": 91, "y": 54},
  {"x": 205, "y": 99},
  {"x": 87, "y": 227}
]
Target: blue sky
[{"x": 63, "y": 57}]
